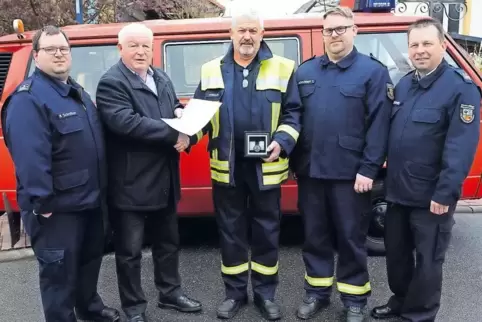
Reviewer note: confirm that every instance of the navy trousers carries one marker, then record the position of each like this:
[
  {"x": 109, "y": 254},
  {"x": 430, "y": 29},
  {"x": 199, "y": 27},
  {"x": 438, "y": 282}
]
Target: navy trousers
[
  {"x": 239, "y": 210},
  {"x": 334, "y": 220},
  {"x": 69, "y": 249},
  {"x": 416, "y": 287}
]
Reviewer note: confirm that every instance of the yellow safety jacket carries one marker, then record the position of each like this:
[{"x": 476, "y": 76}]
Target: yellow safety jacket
[{"x": 281, "y": 117}]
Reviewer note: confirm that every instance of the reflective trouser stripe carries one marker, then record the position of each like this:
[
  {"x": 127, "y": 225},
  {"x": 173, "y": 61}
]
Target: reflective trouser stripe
[
  {"x": 233, "y": 270},
  {"x": 265, "y": 270},
  {"x": 319, "y": 281},
  {"x": 353, "y": 289}
]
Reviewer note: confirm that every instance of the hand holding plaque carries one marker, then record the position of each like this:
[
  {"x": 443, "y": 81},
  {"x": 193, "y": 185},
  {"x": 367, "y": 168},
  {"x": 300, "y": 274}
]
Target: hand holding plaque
[{"x": 274, "y": 149}]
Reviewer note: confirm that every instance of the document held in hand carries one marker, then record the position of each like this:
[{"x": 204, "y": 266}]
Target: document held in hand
[{"x": 195, "y": 115}]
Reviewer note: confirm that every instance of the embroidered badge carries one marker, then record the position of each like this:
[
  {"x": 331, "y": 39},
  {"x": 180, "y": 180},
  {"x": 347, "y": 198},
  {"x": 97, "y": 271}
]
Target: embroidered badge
[
  {"x": 467, "y": 113},
  {"x": 306, "y": 82},
  {"x": 390, "y": 91}
]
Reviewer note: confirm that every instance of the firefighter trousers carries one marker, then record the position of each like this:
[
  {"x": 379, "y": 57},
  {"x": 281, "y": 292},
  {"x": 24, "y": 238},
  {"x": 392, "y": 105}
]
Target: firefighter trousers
[
  {"x": 416, "y": 287},
  {"x": 239, "y": 210},
  {"x": 334, "y": 218}
]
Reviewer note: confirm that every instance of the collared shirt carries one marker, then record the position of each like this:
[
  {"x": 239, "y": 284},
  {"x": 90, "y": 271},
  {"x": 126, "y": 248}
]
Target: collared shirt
[
  {"x": 419, "y": 76},
  {"x": 150, "y": 82}
]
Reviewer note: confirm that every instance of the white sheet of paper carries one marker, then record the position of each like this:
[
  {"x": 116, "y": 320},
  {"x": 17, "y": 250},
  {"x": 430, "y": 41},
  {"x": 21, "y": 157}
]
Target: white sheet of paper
[{"x": 195, "y": 115}]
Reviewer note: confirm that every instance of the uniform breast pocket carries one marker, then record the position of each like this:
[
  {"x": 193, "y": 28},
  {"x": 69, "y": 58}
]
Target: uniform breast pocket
[
  {"x": 69, "y": 125},
  {"x": 307, "y": 90},
  {"x": 427, "y": 116},
  {"x": 352, "y": 91}
]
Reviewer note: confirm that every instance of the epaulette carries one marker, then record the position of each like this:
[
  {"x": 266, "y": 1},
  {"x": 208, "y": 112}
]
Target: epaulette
[
  {"x": 462, "y": 74},
  {"x": 25, "y": 86},
  {"x": 377, "y": 60},
  {"x": 314, "y": 56}
]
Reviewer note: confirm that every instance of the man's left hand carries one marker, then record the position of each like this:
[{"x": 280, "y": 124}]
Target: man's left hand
[
  {"x": 362, "y": 184},
  {"x": 438, "y": 209},
  {"x": 178, "y": 112},
  {"x": 275, "y": 150}
]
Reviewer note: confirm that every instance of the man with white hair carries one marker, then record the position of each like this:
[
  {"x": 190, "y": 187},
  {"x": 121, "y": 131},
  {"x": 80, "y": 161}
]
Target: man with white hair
[
  {"x": 143, "y": 162},
  {"x": 251, "y": 138}
]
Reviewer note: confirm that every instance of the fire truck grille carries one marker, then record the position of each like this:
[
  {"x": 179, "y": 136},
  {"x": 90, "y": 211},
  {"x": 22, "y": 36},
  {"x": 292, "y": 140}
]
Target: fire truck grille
[{"x": 5, "y": 59}]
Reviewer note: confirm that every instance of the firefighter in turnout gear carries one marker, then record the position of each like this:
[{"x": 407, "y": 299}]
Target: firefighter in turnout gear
[
  {"x": 250, "y": 139},
  {"x": 346, "y": 104}
]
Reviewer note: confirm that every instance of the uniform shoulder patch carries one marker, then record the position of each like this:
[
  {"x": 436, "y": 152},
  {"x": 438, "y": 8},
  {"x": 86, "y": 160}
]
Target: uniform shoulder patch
[
  {"x": 377, "y": 60},
  {"x": 390, "y": 91},
  {"x": 467, "y": 113}
]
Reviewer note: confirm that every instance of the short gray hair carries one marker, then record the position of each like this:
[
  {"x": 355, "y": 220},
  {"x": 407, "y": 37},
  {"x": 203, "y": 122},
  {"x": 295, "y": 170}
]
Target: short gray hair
[
  {"x": 134, "y": 28},
  {"x": 240, "y": 12}
]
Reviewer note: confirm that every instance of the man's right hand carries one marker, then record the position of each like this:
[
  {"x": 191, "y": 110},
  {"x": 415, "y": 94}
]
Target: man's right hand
[{"x": 182, "y": 142}]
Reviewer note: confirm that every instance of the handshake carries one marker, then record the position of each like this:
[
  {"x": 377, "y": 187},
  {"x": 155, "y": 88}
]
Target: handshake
[{"x": 182, "y": 140}]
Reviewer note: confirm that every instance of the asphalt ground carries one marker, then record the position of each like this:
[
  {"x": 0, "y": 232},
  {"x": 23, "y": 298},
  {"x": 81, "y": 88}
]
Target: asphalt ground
[{"x": 200, "y": 270}]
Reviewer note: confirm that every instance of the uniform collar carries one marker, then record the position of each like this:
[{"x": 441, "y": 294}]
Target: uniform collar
[
  {"x": 344, "y": 63},
  {"x": 263, "y": 53},
  {"x": 62, "y": 88},
  {"x": 431, "y": 77}
]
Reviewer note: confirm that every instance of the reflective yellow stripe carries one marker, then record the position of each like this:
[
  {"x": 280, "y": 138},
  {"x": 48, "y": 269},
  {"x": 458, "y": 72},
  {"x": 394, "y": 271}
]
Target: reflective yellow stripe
[
  {"x": 275, "y": 73},
  {"x": 211, "y": 76},
  {"x": 276, "y": 166},
  {"x": 353, "y": 289},
  {"x": 290, "y": 130},
  {"x": 275, "y": 178},
  {"x": 219, "y": 177},
  {"x": 319, "y": 281},
  {"x": 275, "y": 110},
  {"x": 233, "y": 270},
  {"x": 219, "y": 165},
  {"x": 265, "y": 270}
]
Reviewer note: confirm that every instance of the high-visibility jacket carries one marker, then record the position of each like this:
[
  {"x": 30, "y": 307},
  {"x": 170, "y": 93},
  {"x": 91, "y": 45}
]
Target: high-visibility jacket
[{"x": 280, "y": 106}]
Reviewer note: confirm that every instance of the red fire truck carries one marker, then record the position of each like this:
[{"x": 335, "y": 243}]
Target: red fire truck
[{"x": 181, "y": 47}]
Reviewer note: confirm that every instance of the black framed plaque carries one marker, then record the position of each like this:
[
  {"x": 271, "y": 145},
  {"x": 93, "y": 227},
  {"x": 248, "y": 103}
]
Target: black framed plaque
[{"x": 256, "y": 144}]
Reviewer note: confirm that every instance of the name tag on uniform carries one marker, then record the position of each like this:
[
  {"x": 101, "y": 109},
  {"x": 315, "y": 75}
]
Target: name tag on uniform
[
  {"x": 306, "y": 82},
  {"x": 256, "y": 144},
  {"x": 68, "y": 114}
]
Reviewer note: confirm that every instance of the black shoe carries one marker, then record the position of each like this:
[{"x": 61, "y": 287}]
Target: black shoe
[
  {"x": 355, "y": 314},
  {"x": 310, "y": 307},
  {"x": 106, "y": 315},
  {"x": 268, "y": 308},
  {"x": 137, "y": 318},
  {"x": 230, "y": 307},
  {"x": 181, "y": 303},
  {"x": 384, "y": 312}
]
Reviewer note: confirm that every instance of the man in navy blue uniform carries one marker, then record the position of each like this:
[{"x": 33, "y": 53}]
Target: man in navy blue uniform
[
  {"x": 250, "y": 139},
  {"x": 143, "y": 161},
  {"x": 433, "y": 139},
  {"x": 54, "y": 136},
  {"x": 346, "y": 108}
]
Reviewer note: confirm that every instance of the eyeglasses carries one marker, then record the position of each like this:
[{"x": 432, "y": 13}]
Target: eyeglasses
[
  {"x": 245, "y": 81},
  {"x": 339, "y": 30},
  {"x": 53, "y": 50}
]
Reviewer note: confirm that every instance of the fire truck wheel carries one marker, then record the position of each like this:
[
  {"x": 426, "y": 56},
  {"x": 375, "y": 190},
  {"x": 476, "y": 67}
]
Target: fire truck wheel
[{"x": 375, "y": 238}]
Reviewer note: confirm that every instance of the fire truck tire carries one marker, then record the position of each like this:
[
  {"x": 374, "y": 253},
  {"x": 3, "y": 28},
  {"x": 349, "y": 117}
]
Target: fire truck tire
[{"x": 375, "y": 237}]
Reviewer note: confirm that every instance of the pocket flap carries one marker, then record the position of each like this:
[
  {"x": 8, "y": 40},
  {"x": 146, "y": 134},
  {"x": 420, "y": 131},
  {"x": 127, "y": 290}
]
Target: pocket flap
[
  {"x": 214, "y": 95},
  {"x": 353, "y": 90},
  {"x": 307, "y": 89},
  {"x": 426, "y": 115},
  {"x": 351, "y": 143},
  {"x": 421, "y": 171},
  {"x": 69, "y": 124},
  {"x": 49, "y": 256},
  {"x": 273, "y": 96},
  {"x": 71, "y": 180}
]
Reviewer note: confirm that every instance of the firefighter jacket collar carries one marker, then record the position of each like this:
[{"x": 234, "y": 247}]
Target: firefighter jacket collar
[
  {"x": 428, "y": 80},
  {"x": 60, "y": 87},
  {"x": 264, "y": 53},
  {"x": 344, "y": 63}
]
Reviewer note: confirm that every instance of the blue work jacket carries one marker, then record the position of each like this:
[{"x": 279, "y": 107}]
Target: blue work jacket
[{"x": 433, "y": 137}]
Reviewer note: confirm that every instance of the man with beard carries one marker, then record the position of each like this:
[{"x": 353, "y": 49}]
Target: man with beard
[
  {"x": 346, "y": 111},
  {"x": 144, "y": 184},
  {"x": 250, "y": 139},
  {"x": 434, "y": 134},
  {"x": 54, "y": 136}
]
